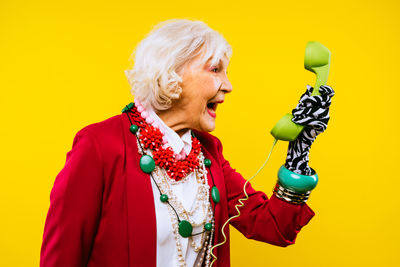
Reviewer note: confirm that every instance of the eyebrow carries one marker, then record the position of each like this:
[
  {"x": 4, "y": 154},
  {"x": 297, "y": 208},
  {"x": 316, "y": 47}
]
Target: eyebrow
[{"x": 220, "y": 62}]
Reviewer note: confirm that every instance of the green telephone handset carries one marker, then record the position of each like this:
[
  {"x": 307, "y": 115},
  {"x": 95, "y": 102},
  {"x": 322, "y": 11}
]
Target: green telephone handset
[{"x": 317, "y": 60}]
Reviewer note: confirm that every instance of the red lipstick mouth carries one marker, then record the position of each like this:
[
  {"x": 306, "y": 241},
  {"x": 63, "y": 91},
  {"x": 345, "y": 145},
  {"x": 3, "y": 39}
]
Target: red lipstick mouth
[
  {"x": 211, "y": 113},
  {"x": 212, "y": 108}
]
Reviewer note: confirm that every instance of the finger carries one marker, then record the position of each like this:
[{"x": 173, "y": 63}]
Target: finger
[
  {"x": 312, "y": 108},
  {"x": 304, "y": 111},
  {"x": 320, "y": 114},
  {"x": 312, "y": 119},
  {"x": 306, "y": 94},
  {"x": 302, "y": 119},
  {"x": 317, "y": 125},
  {"x": 318, "y": 101},
  {"x": 326, "y": 90}
]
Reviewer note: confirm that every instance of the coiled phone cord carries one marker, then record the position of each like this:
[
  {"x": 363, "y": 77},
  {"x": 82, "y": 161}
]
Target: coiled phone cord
[{"x": 237, "y": 206}]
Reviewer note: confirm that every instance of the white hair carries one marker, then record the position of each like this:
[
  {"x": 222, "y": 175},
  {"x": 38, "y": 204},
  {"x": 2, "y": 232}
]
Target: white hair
[{"x": 160, "y": 56}]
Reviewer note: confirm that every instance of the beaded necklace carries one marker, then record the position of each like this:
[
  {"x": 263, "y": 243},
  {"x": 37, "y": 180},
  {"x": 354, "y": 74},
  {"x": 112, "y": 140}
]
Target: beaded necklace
[
  {"x": 152, "y": 138},
  {"x": 162, "y": 159}
]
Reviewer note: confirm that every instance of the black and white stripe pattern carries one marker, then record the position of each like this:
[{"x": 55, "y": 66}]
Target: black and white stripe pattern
[{"x": 313, "y": 112}]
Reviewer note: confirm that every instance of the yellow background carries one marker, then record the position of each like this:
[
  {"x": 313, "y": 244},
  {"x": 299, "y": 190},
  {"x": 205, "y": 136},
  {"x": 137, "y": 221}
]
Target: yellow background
[{"x": 61, "y": 68}]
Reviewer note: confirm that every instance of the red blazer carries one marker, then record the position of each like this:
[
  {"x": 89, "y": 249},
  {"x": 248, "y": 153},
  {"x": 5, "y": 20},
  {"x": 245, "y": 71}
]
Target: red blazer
[{"x": 102, "y": 206}]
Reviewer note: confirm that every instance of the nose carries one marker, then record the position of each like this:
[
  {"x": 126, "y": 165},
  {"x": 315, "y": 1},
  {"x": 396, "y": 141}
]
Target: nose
[{"x": 226, "y": 84}]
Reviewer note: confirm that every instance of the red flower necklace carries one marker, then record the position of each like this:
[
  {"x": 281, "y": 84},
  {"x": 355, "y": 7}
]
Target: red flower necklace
[{"x": 151, "y": 138}]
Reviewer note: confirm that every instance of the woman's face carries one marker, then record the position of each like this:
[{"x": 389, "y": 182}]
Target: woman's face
[{"x": 203, "y": 88}]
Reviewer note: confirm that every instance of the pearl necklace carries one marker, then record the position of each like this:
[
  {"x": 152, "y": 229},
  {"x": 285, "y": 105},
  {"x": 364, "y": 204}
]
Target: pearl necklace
[{"x": 202, "y": 206}]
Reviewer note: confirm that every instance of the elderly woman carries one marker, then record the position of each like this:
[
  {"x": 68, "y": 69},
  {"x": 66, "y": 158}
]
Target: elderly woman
[{"x": 151, "y": 187}]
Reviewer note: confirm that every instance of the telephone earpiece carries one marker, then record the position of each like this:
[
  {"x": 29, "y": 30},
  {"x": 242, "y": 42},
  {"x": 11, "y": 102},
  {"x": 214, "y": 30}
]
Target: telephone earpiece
[{"x": 317, "y": 60}]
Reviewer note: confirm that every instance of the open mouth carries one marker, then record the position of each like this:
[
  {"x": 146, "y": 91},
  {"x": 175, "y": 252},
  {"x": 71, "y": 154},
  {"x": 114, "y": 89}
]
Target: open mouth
[{"x": 212, "y": 107}]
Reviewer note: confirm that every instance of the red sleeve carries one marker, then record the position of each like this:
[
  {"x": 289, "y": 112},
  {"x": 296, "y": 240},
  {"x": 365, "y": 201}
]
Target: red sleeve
[
  {"x": 75, "y": 206},
  {"x": 269, "y": 220}
]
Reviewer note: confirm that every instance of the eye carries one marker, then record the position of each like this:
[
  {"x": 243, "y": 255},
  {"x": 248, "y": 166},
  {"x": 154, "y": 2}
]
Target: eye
[{"x": 214, "y": 69}]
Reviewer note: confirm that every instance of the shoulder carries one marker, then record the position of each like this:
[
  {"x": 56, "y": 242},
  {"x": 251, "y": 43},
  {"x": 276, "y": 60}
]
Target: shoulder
[
  {"x": 106, "y": 135},
  {"x": 108, "y": 128}
]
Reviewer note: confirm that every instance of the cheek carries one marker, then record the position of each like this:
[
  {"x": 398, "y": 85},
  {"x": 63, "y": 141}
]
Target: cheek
[
  {"x": 201, "y": 91},
  {"x": 210, "y": 88}
]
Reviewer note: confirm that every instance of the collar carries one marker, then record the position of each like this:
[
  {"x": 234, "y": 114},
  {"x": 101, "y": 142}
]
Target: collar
[{"x": 176, "y": 142}]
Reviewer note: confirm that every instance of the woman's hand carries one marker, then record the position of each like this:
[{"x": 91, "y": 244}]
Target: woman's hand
[{"x": 313, "y": 113}]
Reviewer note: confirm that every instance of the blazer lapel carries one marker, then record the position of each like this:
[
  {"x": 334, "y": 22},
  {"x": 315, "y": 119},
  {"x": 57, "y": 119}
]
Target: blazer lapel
[{"x": 142, "y": 232}]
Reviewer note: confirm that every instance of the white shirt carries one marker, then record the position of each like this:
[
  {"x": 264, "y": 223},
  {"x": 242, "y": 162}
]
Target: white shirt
[{"x": 186, "y": 194}]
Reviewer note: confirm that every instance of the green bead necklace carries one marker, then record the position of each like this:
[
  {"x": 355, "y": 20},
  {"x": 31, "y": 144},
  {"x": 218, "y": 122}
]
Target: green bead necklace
[{"x": 147, "y": 165}]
